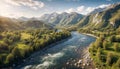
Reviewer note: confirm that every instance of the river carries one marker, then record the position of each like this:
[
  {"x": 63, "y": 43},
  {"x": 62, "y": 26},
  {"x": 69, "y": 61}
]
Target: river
[{"x": 58, "y": 55}]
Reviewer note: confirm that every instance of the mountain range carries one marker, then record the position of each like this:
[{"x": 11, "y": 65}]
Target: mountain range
[
  {"x": 16, "y": 24},
  {"x": 105, "y": 18},
  {"x": 63, "y": 19},
  {"x": 109, "y": 18}
]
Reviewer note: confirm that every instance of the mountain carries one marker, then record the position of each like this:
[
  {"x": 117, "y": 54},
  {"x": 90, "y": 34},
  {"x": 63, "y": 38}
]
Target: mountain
[
  {"x": 63, "y": 19},
  {"x": 33, "y": 24},
  {"x": 109, "y": 18},
  {"x": 23, "y": 18},
  {"x": 17, "y": 24},
  {"x": 97, "y": 10},
  {"x": 9, "y": 24}
]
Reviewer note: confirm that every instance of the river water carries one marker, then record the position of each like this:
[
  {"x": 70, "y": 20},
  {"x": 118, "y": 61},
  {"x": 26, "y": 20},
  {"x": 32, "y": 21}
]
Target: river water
[{"x": 58, "y": 55}]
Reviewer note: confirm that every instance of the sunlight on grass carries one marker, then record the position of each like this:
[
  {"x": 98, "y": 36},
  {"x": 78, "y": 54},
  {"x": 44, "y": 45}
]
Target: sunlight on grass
[
  {"x": 25, "y": 36},
  {"x": 1, "y": 41},
  {"x": 23, "y": 46}
]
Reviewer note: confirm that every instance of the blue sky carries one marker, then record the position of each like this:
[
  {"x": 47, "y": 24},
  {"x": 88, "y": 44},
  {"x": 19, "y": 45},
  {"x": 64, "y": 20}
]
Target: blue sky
[{"x": 36, "y": 8}]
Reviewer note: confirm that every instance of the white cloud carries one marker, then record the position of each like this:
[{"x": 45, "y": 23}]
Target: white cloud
[
  {"x": 89, "y": 9},
  {"x": 35, "y": 8},
  {"x": 85, "y": 10},
  {"x": 81, "y": 8},
  {"x": 103, "y": 6},
  {"x": 9, "y": 8},
  {"x": 29, "y": 3},
  {"x": 70, "y": 10}
]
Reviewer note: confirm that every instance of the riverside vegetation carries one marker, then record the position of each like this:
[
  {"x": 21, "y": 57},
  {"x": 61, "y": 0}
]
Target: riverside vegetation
[
  {"x": 15, "y": 46},
  {"x": 105, "y": 51}
]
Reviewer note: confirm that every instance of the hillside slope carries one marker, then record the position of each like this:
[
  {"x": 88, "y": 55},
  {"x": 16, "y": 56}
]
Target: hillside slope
[
  {"x": 9, "y": 24},
  {"x": 33, "y": 24},
  {"x": 63, "y": 19},
  {"x": 105, "y": 19},
  {"x": 15, "y": 24}
]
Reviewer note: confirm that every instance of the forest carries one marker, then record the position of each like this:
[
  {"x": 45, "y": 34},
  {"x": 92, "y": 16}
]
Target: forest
[
  {"x": 18, "y": 45},
  {"x": 105, "y": 51}
]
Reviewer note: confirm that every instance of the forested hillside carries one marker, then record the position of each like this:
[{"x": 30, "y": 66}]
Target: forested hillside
[
  {"x": 15, "y": 46},
  {"x": 105, "y": 25}
]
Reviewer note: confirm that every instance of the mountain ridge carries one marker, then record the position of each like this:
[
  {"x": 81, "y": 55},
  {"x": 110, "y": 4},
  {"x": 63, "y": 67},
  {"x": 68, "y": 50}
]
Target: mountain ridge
[
  {"x": 63, "y": 19},
  {"x": 101, "y": 19},
  {"x": 16, "y": 24}
]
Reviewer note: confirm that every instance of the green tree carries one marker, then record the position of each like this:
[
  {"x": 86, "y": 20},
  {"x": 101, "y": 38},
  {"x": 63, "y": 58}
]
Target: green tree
[
  {"x": 105, "y": 45},
  {"x": 1, "y": 59},
  {"x": 116, "y": 47},
  {"x": 16, "y": 53},
  {"x": 116, "y": 65},
  {"x": 98, "y": 44},
  {"x": 10, "y": 58},
  {"x": 111, "y": 58},
  {"x": 99, "y": 51},
  {"x": 112, "y": 38}
]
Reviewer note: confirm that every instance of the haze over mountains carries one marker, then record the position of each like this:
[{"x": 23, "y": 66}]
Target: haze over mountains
[
  {"x": 16, "y": 24},
  {"x": 99, "y": 18}
]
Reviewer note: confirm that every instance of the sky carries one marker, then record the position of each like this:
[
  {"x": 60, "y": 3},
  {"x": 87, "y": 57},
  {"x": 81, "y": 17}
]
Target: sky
[{"x": 36, "y": 8}]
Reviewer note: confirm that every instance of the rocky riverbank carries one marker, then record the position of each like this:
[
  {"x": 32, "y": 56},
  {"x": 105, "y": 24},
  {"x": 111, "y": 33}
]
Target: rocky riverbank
[
  {"x": 83, "y": 62},
  {"x": 87, "y": 62}
]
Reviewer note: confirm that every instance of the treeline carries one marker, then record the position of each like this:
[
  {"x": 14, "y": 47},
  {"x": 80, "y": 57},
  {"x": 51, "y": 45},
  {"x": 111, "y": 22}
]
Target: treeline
[
  {"x": 105, "y": 51},
  {"x": 15, "y": 46},
  {"x": 97, "y": 32}
]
